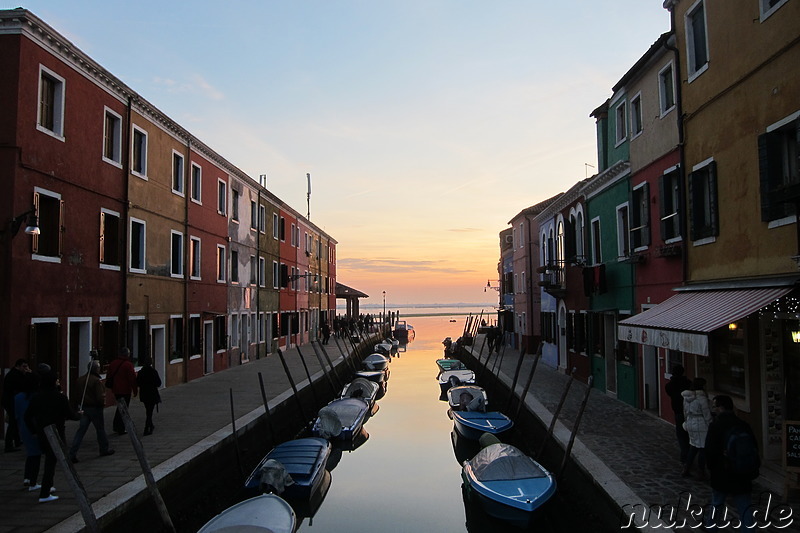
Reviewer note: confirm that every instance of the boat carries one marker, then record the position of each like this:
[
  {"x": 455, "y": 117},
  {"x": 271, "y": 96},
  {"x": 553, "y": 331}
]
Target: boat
[
  {"x": 375, "y": 361},
  {"x": 403, "y": 331},
  {"x": 450, "y": 364},
  {"x": 508, "y": 484},
  {"x": 308, "y": 509},
  {"x": 266, "y": 513},
  {"x": 473, "y": 424},
  {"x": 378, "y": 376},
  {"x": 361, "y": 388},
  {"x": 341, "y": 419},
  {"x": 304, "y": 461},
  {"x": 454, "y": 378},
  {"x": 387, "y": 346},
  {"x": 467, "y": 398}
]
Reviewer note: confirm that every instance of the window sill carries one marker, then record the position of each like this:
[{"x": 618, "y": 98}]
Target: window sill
[{"x": 703, "y": 242}]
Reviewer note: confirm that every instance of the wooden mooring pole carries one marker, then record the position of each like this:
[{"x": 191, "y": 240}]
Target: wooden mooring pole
[{"x": 528, "y": 384}]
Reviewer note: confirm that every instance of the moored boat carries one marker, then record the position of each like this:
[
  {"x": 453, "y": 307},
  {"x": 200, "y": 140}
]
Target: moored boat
[
  {"x": 341, "y": 419},
  {"x": 508, "y": 484},
  {"x": 467, "y": 398},
  {"x": 375, "y": 361},
  {"x": 266, "y": 513},
  {"x": 473, "y": 424},
  {"x": 304, "y": 461},
  {"x": 378, "y": 376},
  {"x": 450, "y": 364},
  {"x": 403, "y": 331},
  {"x": 454, "y": 378},
  {"x": 361, "y": 388}
]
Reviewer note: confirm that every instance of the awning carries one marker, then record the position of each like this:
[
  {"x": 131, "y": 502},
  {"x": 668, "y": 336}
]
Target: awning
[{"x": 684, "y": 321}]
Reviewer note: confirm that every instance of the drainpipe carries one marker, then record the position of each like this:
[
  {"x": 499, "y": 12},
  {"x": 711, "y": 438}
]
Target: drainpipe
[
  {"x": 125, "y": 256},
  {"x": 186, "y": 241}
]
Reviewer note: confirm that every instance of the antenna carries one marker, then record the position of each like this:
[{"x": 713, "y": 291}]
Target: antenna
[
  {"x": 586, "y": 168},
  {"x": 308, "y": 196}
]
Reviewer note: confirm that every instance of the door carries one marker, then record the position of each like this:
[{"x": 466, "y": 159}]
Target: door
[
  {"x": 158, "y": 349},
  {"x": 562, "y": 336},
  {"x": 650, "y": 378},
  {"x": 208, "y": 347},
  {"x": 79, "y": 346},
  {"x": 610, "y": 336}
]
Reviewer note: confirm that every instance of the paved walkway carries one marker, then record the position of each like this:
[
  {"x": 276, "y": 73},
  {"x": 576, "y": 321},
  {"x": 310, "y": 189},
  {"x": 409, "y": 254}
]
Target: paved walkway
[
  {"x": 633, "y": 455},
  {"x": 200, "y": 408}
]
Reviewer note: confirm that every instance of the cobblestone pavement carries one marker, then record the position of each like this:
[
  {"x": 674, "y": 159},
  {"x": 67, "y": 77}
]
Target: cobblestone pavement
[{"x": 639, "y": 448}]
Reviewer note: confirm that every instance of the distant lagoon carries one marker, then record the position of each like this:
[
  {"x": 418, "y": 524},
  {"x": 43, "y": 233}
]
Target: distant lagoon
[{"x": 419, "y": 310}]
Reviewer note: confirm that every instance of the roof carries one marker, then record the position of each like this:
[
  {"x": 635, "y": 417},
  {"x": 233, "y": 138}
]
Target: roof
[{"x": 343, "y": 291}]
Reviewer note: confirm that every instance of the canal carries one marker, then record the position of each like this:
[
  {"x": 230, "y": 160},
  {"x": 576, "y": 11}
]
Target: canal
[{"x": 405, "y": 476}]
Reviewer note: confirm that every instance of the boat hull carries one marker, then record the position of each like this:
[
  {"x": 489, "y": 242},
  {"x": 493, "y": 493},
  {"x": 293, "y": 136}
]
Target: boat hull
[
  {"x": 473, "y": 424},
  {"x": 304, "y": 460},
  {"x": 265, "y": 513}
]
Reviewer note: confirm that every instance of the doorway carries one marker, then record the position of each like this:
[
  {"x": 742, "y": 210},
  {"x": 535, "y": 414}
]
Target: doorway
[
  {"x": 650, "y": 378},
  {"x": 208, "y": 347},
  {"x": 158, "y": 350},
  {"x": 79, "y": 346}
]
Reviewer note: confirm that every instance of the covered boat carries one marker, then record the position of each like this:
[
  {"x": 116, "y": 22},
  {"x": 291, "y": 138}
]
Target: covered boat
[
  {"x": 450, "y": 364},
  {"x": 375, "y": 361},
  {"x": 467, "y": 398},
  {"x": 473, "y": 424},
  {"x": 509, "y": 485},
  {"x": 454, "y": 378},
  {"x": 378, "y": 376},
  {"x": 304, "y": 461},
  {"x": 361, "y": 388},
  {"x": 341, "y": 419},
  {"x": 266, "y": 513}
]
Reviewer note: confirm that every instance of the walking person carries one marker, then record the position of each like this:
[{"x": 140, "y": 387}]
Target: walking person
[
  {"x": 12, "y": 385},
  {"x": 733, "y": 460},
  {"x": 326, "y": 332},
  {"x": 122, "y": 376},
  {"x": 48, "y": 407},
  {"x": 148, "y": 381},
  {"x": 697, "y": 411},
  {"x": 89, "y": 399},
  {"x": 678, "y": 383},
  {"x": 33, "y": 453}
]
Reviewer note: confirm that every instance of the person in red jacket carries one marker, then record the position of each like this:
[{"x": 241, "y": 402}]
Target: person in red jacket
[{"x": 122, "y": 376}]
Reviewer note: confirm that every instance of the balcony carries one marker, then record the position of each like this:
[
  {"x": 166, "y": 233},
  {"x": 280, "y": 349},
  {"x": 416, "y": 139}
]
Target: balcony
[{"x": 552, "y": 279}]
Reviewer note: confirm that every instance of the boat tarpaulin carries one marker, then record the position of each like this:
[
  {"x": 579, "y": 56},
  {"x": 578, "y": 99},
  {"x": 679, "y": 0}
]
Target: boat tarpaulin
[
  {"x": 683, "y": 321},
  {"x": 499, "y": 462}
]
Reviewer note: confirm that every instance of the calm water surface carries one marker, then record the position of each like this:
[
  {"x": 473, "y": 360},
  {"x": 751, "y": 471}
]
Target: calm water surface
[{"x": 405, "y": 477}]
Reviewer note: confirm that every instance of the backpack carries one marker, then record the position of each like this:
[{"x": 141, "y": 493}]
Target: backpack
[{"x": 741, "y": 453}]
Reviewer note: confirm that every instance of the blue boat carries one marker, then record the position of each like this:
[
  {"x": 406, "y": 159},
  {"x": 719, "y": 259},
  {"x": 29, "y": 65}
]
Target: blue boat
[
  {"x": 341, "y": 419},
  {"x": 473, "y": 424},
  {"x": 303, "y": 459},
  {"x": 508, "y": 484},
  {"x": 266, "y": 513}
]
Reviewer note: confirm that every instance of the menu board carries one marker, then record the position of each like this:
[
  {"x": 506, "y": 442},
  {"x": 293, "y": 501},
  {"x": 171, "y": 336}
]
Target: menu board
[{"x": 792, "y": 449}]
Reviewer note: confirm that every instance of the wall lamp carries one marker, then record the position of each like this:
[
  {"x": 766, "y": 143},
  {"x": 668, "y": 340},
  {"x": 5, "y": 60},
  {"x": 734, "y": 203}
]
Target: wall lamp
[
  {"x": 31, "y": 223},
  {"x": 490, "y": 286}
]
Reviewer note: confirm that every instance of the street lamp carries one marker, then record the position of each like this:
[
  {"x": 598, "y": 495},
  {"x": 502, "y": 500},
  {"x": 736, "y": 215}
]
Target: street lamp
[
  {"x": 490, "y": 286},
  {"x": 31, "y": 223}
]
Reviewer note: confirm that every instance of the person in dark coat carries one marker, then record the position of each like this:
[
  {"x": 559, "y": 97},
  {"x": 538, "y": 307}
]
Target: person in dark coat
[
  {"x": 33, "y": 453},
  {"x": 123, "y": 378},
  {"x": 48, "y": 407},
  {"x": 89, "y": 399},
  {"x": 12, "y": 385},
  {"x": 148, "y": 381},
  {"x": 678, "y": 383},
  {"x": 724, "y": 481}
]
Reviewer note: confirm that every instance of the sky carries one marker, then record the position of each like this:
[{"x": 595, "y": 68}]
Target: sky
[{"x": 426, "y": 125}]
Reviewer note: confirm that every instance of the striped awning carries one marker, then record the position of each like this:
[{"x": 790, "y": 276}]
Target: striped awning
[{"x": 684, "y": 321}]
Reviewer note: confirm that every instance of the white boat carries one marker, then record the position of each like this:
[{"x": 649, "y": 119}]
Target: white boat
[
  {"x": 375, "y": 361},
  {"x": 265, "y": 513},
  {"x": 467, "y": 398},
  {"x": 454, "y": 378},
  {"x": 361, "y": 388}
]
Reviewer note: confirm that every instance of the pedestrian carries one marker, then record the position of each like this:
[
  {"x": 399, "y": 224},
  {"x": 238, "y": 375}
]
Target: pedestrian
[
  {"x": 326, "y": 332},
  {"x": 697, "y": 411},
  {"x": 733, "y": 460},
  {"x": 48, "y": 407},
  {"x": 12, "y": 385},
  {"x": 122, "y": 376},
  {"x": 148, "y": 381},
  {"x": 89, "y": 399},
  {"x": 33, "y": 453},
  {"x": 678, "y": 383}
]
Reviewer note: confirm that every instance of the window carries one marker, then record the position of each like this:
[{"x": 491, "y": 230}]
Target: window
[
  {"x": 636, "y": 115},
  {"x": 253, "y": 215},
  {"x": 176, "y": 336},
  {"x": 221, "y": 263},
  {"x": 294, "y": 239},
  {"x": 262, "y": 218},
  {"x": 597, "y": 256},
  {"x": 220, "y": 332},
  {"x": 703, "y": 215},
  {"x": 176, "y": 263},
  {"x": 139, "y": 156},
  {"x": 195, "y": 335},
  {"x": 194, "y": 258},
  {"x": 666, "y": 89},
  {"x": 282, "y": 231},
  {"x": 50, "y": 209},
  {"x": 275, "y": 275},
  {"x": 622, "y": 123},
  {"x": 283, "y": 275},
  {"x": 235, "y": 331},
  {"x": 222, "y": 197},
  {"x": 275, "y": 226},
  {"x": 234, "y": 205},
  {"x": 670, "y": 194},
  {"x": 197, "y": 183},
  {"x": 640, "y": 216},
  {"x": 109, "y": 239},
  {"x": 253, "y": 270},
  {"x": 779, "y": 159},
  {"x": 177, "y": 173},
  {"x": 112, "y": 138},
  {"x": 623, "y": 232},
  {"x": 696, "y": 42},
  {"x": 262, "y": 272},
  {"x": 137, "y": 243},
  {"x": 521, "y": 236},
  {"x": 768, "y": 7},
  {"x": 234, "y": 266},
  {"x": 51, "y": 103}
]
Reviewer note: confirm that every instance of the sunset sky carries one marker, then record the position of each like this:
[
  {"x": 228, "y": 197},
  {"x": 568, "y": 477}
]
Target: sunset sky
[{"x": 425, "y": 125}]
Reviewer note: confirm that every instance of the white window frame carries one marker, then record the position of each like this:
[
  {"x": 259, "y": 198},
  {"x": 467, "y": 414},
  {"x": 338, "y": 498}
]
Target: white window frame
[
  {"x": 597, "y": 244},
  {"x": 294, "y": 236},
  {"x": 235, "y": 195},
  {"x": 767, "y": 11},
  {"x": 37, "y": 255},
  {"x": 235, "y": 268},
  {"x": 103, "y": 238},
  {"x": 116, "y": 149},
  {"x": 196, "y": 174},
  {"x": 181, "y": 266},
  {"x": 58, "y": 104},
  {"x": 262, "y": 271},
  {"x": 142, "y": 253},
  {"x": 253, "y": 271},
  {"x": 623, "y": 231},
  {"x": 276, "y": 274},
  {"x": 195, "y": 258},
  {"x": 143, "y": 173},
  {"x": 695, "y": 70},
  {"x": 275, "y": 226},
  {"x": 665, "y": 77},
  {"x": 637, "y": 116},
  {"x": 222, "y": 262},
  {"x": 262, "y": 219},
  {"x": 621, "y": 121},
  {"x": 181, "y": 174},
  {"x": 222, "y": 197}
]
